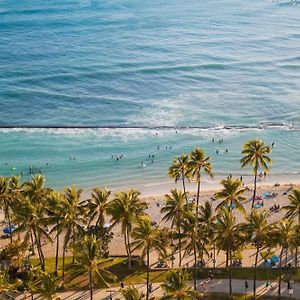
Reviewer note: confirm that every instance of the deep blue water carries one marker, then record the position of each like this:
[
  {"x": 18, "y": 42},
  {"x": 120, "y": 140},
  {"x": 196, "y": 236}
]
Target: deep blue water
[{"x": 117, "y": 63}]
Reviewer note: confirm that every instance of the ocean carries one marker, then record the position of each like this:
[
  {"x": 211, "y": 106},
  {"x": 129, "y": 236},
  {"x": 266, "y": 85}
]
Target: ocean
[{"x": 142, "y": 79}]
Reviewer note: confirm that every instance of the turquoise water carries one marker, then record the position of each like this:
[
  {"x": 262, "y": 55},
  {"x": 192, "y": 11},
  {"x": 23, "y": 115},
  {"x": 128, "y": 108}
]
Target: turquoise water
[{"x": 229, "y": 67}]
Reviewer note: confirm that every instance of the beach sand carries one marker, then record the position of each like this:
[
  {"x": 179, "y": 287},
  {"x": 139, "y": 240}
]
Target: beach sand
[{"x": 155, "y": 203}]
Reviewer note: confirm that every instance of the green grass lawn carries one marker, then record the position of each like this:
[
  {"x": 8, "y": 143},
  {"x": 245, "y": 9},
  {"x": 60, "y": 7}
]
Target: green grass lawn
[{"x": 137, "y": 274}]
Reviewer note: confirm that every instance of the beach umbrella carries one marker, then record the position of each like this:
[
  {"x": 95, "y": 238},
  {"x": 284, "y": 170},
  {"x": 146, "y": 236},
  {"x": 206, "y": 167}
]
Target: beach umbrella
[
  {"x": 268, "y": 263},
  {"x": 8, "y": 230},
  {"x": 275, "y": 259}
]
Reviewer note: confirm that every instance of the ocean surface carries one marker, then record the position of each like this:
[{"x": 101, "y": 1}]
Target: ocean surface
[{"x": 150, "y": 78}]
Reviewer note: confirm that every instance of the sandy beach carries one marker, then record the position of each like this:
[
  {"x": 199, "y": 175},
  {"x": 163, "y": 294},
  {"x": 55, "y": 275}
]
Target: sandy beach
[{"x": 155, "y": 203}]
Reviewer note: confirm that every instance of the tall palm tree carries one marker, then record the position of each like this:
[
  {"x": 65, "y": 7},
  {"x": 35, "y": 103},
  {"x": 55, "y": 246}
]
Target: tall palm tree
[
  {"x": 36, "y": 190},
  {"x": 283, "y": 231},
  {"x": 295, "y": 242},
  {"x": 293, "y": 208},
  {"x": 177, "y": 286},
  {"x": 227, "y": 237},
  {"x": 87, "y": 261},
  {"x": 32, "y": 220},
  {"x": 147, "y": 238},
  {"x": 198, "y": 163},
  {"x": 195, "y": 240},
  {"x": 259, "y": 232},
  {"x": 179, "y": 169},
  {"x": 55, "y": 217},
  {"x": 73, "y": 213},
  {"x": 98, "y": 205},
  {"x": 256, "y": 155},
  {"x": 231, "y": 195},
  {"x": 126, "y": 208},
  {"x": 175, "y": 210},
  {"x": 207, "y": 220},
  {"x": 293, "y": 211}
]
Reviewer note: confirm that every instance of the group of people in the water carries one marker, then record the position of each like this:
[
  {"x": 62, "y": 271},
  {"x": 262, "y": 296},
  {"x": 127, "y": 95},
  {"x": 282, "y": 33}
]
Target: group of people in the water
[{"x": 220, "y": 141}]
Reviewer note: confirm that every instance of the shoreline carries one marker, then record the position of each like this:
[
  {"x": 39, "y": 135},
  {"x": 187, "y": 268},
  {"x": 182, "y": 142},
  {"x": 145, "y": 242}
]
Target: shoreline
[{"x": 160, "y": 188}]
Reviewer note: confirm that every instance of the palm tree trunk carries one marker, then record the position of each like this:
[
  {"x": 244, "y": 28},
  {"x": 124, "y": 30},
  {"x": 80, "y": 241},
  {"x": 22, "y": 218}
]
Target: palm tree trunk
[
  {"x": 179, "y": 246},
  {"x": 198, "y": 195},
  {"x": 254, "y": 190},
  {"x": 91, "y": 284},
  {"x": 296, "y": 257},
  {"x": 32, "y": 242},
  {"x": 184, "y": 190},
  {"x": 280, "y": 273},
  {"x": 127, "y": 247},
  {"x": 63, "y": 263},
  {"x": 227, "y": 259},
  {"x": 230, "y": 273},
  {"x": 195, "y": 263},
  {"x": 214, "y": 256},
  {"x": 255, "y": 269},
  {"x": 148, "y": 271},
  {"x": 39, "y": 250},
  {"x": 9, "y": 224},
  {"x": 57, "y": 250}
]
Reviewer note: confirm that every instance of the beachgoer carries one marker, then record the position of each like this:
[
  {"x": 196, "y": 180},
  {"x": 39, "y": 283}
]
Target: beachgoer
[
  {"x": 122, "y": 285},
  {"x": 217, "y": 151}
]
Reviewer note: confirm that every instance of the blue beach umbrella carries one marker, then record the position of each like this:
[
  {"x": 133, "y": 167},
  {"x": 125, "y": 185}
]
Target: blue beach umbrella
[
  {"x": 8, "y": 230},
  {"x": 275, "y": 259}
]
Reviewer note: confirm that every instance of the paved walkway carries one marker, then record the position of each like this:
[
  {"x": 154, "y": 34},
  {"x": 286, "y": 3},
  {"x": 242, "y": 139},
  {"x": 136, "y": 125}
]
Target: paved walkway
[{"x": 216, "y": 285}]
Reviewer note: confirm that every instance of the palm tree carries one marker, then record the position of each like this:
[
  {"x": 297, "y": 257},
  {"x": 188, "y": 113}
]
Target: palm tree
[
  {"x": 32, "y": 220},
  {"x": 73, "y": 220},
  {"x": 283, "y": 232},
  {"x": 208, "y": 221},
  {"x": 231, "y": 194},
  {"x": 198, "y": 163},
  {"x": 258, "y": 230},
  {"x": 147, "y": 238},
  {"x": 293, "y": 211},
  {"x": 255, "y": 154},
  {"x": 35, "y": 189},
  {"x": 227, "y": 237},
  {"x": 195, "y": 240},
  {"x": 126, "y": 208},
  {"x": 131, "y": 293},
  {"x": 87, "y": 261},
  {"x": 175, "y": 210},
  {"x": 179, "y": 169},
  {"x": 56, "y": 217},
  {"x": 295, "y": 242},
  {"x": 98, "y": 205},
  {"x": 177, "y": 286},
  {"x": 47, "y": 286},
  {"x": 6, "y": 201}
]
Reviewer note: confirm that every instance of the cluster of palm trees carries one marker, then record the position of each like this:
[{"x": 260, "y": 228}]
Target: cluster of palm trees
[{"x": 40, "y": 214}]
